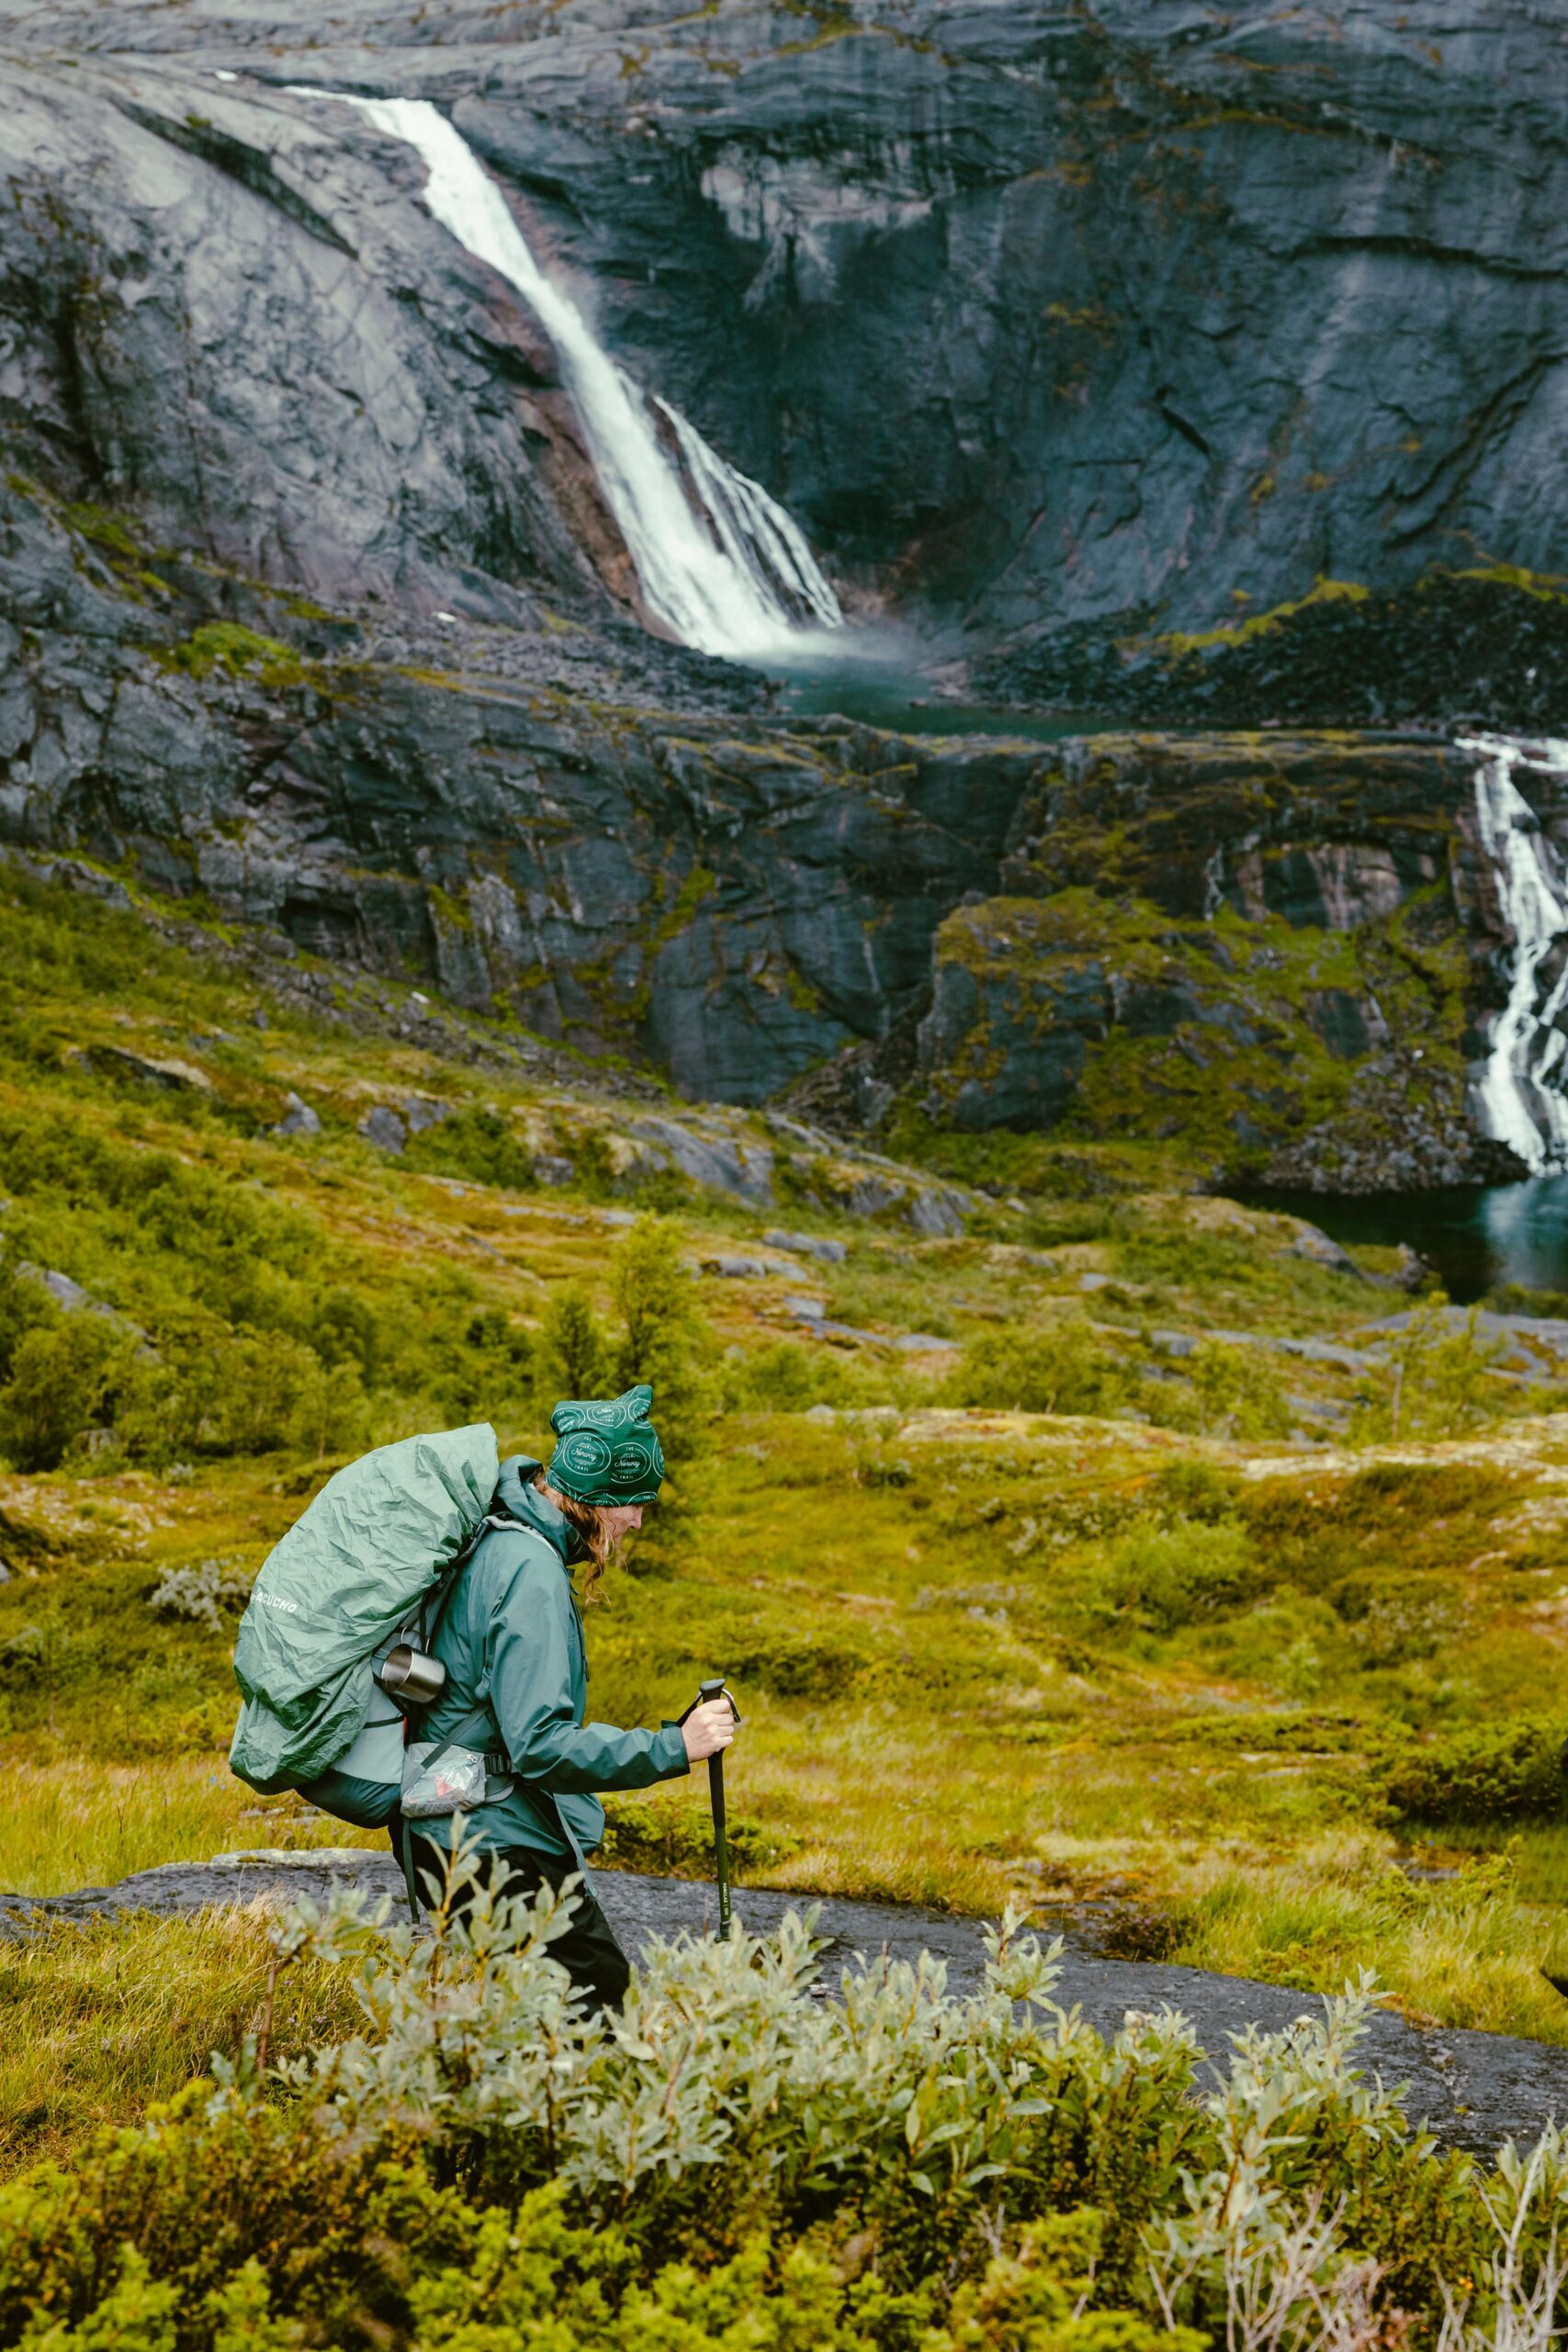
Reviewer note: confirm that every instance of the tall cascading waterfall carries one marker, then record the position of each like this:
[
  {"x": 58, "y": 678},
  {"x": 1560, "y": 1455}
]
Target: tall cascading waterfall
[
  {"x": 1519, "y": 1095},
  {"x": 720, "y": 563}
]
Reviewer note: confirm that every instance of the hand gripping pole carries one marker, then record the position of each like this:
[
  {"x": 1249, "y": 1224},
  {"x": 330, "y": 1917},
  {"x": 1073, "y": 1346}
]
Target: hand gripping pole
[{"x": 713, "y": 1688}]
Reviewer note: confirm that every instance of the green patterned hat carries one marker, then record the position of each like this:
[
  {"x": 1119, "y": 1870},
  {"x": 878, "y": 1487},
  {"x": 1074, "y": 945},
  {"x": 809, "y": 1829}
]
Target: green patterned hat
[{"x": 607, "y": 1453}]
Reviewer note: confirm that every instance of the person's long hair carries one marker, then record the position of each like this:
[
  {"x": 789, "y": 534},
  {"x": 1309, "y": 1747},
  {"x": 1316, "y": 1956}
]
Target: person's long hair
[{"x": 588, "y": 1522}]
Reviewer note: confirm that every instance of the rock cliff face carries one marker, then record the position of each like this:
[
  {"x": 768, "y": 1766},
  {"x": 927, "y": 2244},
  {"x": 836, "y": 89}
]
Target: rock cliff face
[
  {"x": 732, "y": 899},
  {"x": 1066, "y": 328},
  {"x": 1268, "y": 949},
  {"x": 1272, "y": 947},
  {"x": 1086, "y": 342}
]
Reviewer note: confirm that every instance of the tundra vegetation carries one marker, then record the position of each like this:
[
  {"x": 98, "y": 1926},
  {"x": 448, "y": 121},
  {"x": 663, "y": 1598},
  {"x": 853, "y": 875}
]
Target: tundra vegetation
[
  {"x": 1095, "y": 1601},
  {"x": 468, "y": 2165}
]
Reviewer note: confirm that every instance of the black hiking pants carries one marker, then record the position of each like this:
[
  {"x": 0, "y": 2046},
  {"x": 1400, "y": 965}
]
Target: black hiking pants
[{"x": 588, "y": 1952}]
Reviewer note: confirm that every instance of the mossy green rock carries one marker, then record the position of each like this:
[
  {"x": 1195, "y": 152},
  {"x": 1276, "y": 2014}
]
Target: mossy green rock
[{"x": 1270, "y": 947}]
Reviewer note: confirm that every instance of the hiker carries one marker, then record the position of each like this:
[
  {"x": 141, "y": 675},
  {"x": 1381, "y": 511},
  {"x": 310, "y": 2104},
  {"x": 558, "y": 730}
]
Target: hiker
[{"x": 511, "y": 1640}]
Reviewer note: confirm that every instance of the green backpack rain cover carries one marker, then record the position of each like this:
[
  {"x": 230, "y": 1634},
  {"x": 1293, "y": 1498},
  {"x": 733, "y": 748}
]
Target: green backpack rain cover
[{"x": 352, "y": 1569}]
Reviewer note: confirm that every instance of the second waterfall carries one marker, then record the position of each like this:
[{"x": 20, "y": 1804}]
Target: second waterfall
[
  {"x": 721, "y": 564},
  {"x": 1519, "y": 1091}
]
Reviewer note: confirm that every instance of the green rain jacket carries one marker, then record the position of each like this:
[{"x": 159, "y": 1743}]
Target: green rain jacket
[{"x": 511, "y": 1639}]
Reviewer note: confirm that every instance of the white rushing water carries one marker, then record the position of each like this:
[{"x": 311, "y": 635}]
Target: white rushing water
[
  {"x": 1520, "y": 1094},
  {"x": 720, "y": 563}
]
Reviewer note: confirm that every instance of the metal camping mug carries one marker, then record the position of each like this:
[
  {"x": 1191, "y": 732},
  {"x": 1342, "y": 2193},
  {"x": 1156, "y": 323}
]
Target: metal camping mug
[{"x": 410, "y": 1677}]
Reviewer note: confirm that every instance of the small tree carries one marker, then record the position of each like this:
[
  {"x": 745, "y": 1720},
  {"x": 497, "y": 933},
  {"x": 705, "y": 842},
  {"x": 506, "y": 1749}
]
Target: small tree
[
  {"x": 572, "y": 1357},
  {"x": 1436, "y": 1381},
  {"x": 63, "y": 1373},
  {"x": 1058, "y": 1368},
  {"x": 1237, "y": 1396},
  {"x": 661, "y": 1335}
]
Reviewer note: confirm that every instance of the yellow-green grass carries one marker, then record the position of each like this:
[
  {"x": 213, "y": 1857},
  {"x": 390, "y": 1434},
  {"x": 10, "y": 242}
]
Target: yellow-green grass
[
  {"x": 102, "y": 2019},
  {"x": 934, "y": 1714},
  {"x": 76, "y": 1820}
]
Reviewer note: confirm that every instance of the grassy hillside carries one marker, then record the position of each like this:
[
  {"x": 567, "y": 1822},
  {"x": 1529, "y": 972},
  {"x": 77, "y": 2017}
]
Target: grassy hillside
[{"x": 1091, "y": 1596}]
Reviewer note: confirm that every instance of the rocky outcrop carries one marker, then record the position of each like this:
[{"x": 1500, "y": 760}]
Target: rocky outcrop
[
  {"x": 1272, "y": 948},
  {"x": 1269, "y": 950},
  {"x": 729, "y": 901}
]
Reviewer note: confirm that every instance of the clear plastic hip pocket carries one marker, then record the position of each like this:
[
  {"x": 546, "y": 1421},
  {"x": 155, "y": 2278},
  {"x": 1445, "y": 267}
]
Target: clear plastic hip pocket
[{"x": 441, "y": 1778}]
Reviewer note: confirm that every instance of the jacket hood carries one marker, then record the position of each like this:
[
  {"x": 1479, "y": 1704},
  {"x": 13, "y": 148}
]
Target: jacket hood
[{"x": 524, "y": 1503}]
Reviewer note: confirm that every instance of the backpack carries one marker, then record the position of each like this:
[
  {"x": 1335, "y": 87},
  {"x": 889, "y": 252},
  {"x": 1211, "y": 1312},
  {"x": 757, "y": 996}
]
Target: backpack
[{"x": 376, "y": 1554}]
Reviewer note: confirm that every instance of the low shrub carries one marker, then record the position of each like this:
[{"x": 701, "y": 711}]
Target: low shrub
[
  {"x": 798, "y": 1666},
  {"x": 1165, "y": 1576},
  {"x": 1435, "y": 1380},
  {"x": 784, "y": 1378},
  {"x": 1194, "y": 1490},
  {"x": 736, "y": 2163},
  {"x": 1236, "y": 1392},
  {"x": 1063, "y": 1369},
  {"x": 475, "y": 1142},
  {"x": 1321, "y": 1530},
  {"x": 675, "y": 1837},
  {"x": 204, "y": 1595},
  {"x": 1503, "y": 1773}
]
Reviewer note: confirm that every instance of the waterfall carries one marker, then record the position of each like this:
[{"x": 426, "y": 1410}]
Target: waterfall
[
  {"x": 1519, "y": 1094},
  {"x": 721, "y": 564}
]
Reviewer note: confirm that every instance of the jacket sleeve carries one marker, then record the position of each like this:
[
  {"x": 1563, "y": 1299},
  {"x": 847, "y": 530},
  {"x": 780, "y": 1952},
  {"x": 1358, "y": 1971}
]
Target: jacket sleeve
[{"x": 528, "y": 1660}]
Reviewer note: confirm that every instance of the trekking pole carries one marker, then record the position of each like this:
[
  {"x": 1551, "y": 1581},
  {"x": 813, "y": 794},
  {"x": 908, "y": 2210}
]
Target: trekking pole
[{"x": 714, "y": 1688}]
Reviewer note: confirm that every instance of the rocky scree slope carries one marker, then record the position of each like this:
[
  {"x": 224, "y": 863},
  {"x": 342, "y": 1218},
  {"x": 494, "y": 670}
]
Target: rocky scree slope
[{"x": 1091, "y": 330}]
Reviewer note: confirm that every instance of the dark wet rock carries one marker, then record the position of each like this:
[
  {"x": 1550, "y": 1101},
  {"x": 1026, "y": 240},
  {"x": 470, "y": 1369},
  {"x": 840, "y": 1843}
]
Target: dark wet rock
[
  {"x": 553, "y": 1168},
  {"x": 1483, "y": 643},
  {"x": 422, "y": 1112},
  {"x": 1036, "y": 1027},
  {"x": 1318, "y": 829},
  {"x": 1350, "y": 1026},
  {"x": 1328, "y": 346},
  {"x": 1475, "y": 2089},
  {"x": 1164, "y": 961},
  {"x": 733, "y": 902}
]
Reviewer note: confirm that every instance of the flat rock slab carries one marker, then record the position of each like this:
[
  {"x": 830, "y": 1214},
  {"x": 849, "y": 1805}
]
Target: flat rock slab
[{"x": 1475, "y": 2090}]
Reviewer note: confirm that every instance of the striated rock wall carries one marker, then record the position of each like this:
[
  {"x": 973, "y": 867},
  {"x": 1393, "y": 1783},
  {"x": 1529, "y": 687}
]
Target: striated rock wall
[
  {"x": 1078, "y": 329},
  {"x": 731, "y": 899},
  {"x": 1086, "y": 339}
]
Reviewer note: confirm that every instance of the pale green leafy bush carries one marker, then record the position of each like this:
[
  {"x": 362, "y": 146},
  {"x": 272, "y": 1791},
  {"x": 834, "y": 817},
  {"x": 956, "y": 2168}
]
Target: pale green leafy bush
[{"x": 203, "y": 1595}]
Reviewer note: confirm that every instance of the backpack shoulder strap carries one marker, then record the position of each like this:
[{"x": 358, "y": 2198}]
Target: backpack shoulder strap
[{"x": 432, "y": 1607}]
